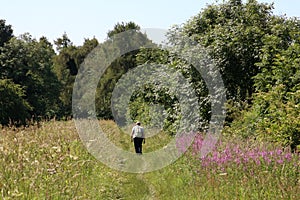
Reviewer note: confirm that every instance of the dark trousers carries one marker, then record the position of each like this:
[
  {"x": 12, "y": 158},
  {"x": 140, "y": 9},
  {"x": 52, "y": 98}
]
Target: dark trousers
[{"x": 138, "y": 144}]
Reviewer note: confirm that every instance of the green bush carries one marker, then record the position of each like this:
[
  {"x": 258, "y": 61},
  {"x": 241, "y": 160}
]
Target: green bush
[
  {"x": 275, "y": 113},
  {"x": 13, "y": 106}
]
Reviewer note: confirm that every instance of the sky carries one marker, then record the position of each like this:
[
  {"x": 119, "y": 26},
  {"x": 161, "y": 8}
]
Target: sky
[{"x": 81, "y": 19}]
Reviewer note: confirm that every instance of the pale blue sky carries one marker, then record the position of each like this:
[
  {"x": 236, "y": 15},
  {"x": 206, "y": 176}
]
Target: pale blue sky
[{"x": 88, "y": 18}]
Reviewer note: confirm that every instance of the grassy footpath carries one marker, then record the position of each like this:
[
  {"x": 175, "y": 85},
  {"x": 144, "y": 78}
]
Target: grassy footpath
[{"x": 50, "y": 162}]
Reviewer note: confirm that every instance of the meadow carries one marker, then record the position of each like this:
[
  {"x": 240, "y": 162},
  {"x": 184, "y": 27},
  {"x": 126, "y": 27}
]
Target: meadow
[{"x": 49, "y": 161}]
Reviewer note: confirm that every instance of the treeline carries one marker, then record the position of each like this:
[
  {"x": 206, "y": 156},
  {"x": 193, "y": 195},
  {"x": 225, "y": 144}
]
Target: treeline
[
  {"x": 36, "y": 82},
  {"x": 37, "y": 77},
  {"x": 257, "y": 53}
]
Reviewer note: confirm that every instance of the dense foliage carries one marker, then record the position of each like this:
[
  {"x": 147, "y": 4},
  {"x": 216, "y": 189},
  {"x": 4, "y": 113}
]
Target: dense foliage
[
  {"x": 28, "y": 64},
  {"x": 65, "y": 65},
  {"x": 256, "y": 52}
]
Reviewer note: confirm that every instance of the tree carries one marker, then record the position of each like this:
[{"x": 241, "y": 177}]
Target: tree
[
  {"x": 283, "y": 39},
  {"x": 233, "y": 33},
  {"x": 6, "y": 32},
  {"x": 13, "y": 106},
  {"x": 154, "y": 94},
  {"x": 121, "y": 27},
  {"x": 275, "y": 112},
  {"x": 66, "y": 65},
  {"x": 242, "y": 38},
  {"x": 120, "y": 66},
  {"x": 258, "y": 56},
  {"x": 278, "y": 87},
  {"x": 28, "y": 63},
  {"x": 63, "y": 42}
]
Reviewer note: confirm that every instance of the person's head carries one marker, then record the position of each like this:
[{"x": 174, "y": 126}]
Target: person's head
[{"x": 138, "y": 123}]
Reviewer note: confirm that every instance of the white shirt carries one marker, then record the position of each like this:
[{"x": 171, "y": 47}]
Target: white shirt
[{"x": 138, "y": 131}]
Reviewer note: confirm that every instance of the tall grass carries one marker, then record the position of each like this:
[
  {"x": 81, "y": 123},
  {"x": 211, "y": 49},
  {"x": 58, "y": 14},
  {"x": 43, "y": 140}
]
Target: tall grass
[{"x": 50, "y": 162}]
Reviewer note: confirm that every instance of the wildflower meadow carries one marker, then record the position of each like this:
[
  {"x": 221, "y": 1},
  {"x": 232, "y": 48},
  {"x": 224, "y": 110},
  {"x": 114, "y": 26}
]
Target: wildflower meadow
[{"x": 49, "y": 161}]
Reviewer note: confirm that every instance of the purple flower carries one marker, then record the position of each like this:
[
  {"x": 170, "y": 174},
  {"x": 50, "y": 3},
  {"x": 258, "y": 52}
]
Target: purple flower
[
  {"x": 288, "y": 156},
  {"x": 257, "y": 162},
  {"x": 268, "y": 161},
  {"x": 279, "y": 152},
  {"x": 279, "y": 161}
]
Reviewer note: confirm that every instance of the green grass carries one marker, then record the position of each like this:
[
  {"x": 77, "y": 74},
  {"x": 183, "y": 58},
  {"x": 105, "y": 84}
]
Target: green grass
[{"x": 50, "y": 162}]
